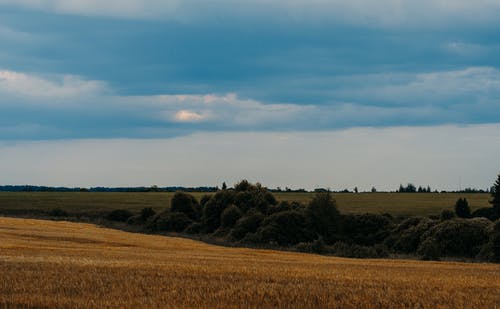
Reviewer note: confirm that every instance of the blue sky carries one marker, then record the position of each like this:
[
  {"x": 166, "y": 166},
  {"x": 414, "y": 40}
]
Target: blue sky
[{"x": 137, "y": 70}]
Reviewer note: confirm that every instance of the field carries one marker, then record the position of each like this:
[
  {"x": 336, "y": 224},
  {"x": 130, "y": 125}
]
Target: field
[
  {"x": 393, "y": 203},
  {"x": 61, "y": 264}
]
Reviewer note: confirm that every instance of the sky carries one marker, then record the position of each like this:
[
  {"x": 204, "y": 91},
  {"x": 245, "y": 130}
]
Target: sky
[{"x": 294, "y": 93}]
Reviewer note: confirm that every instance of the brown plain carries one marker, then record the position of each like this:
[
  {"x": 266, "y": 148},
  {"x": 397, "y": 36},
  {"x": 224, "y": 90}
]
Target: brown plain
[{"x": 61, "y": 264}]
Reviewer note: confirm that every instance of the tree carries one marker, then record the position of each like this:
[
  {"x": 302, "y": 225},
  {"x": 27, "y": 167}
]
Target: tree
[
  {"x": 322, "y": 216},
  {"x": 495, "y": 193},
  {"x": 462, "y": 208},
  {"x": 187, "y": 204},
  {"x": 374, "y": 189},
  {"x": 224, "y": 186}
]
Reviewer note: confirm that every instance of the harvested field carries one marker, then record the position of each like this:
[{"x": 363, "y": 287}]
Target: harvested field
[{"x": 61, "y": 264}]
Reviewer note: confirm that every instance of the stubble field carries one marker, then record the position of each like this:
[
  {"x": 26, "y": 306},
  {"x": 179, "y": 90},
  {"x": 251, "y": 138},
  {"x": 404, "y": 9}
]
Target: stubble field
[{"x": 61, "y": 264}]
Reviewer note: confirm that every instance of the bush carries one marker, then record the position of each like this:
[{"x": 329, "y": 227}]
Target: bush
[
  {"x": 458, "y": 237},
  {"x": 120, "y": 215},
  {"x": 135, "y": 220},
  {"x": 213, "y": 208},
  {"x": 58, "y": 212},
  {"x": 406, "y": 237},
  {"x": 356, "y": 251},
  {"x": 170, "y": 221},
  {"x": 487, "y": 212},
  {"x": 204, "y": 199},
  {"x": 462, "y": 208},
  {"x": 247, "y": 224},
  {"x": 229, "y": 216},
  {"x": 447, "y": 215},
  {"x": 147, "y": 213},
  {"x": 322, "y": 216},
  {"x": 495, "y": 241},
  {"x": 366, "y": 229},
  {"x": 284, "y": 228},
  {"x": 249, "y": 196},
  {"x": 193, "y": 228},
  {"x": 187, "y": 204},
  {"x": 284, "y": 206},
  {"x": 318, "y": 246},
  {"x": 491, "y": 250}
]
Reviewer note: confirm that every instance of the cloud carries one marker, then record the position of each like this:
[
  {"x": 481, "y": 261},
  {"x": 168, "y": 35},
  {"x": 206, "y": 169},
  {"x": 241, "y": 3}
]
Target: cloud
[
  {"x": 33, "y": 87},
  {"x": 443, "y": 88},
  {"x": 188, "y": 116},
  {"x": 38, "y": 107},
  {"x": 382, "y": 13}
]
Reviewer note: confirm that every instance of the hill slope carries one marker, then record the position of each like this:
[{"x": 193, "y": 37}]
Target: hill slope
[{"x": 61, "y": 264}]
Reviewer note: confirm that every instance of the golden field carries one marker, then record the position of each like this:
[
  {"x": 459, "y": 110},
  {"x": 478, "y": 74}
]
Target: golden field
[{"x": 61, "y": 264}]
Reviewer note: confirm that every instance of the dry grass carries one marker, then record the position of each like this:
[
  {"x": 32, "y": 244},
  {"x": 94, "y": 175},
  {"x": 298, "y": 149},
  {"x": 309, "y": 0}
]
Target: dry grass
[
  {"x": 61, "y": 264},
  {"x": 394, "y": 203}
]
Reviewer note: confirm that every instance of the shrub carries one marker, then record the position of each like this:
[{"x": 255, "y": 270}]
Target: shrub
[
  {"x": 366, "y": 229},
  {"x": 491, "y": 250},
  {"x": 447, "y": 215},
  {"x": 187, "y": 204},
  {"x": 229, "y": 216},
  {"x": 406, "y": 237},
  {"x": 120, "y": 215},
  {"x": 458, "y": 237},
  {"x": 58, "y": 212},
  {"x": 487, "y": 212},
  {"x": 318, "y": 246},
  {"x": 462, "y": 208},
  {"x": 193, "y": 228},
  {"x": 281, "y": 206},
  {"x": 213, "y": 208},
  {"x": 495, "y": 241},
  {"x": 322, "y": 216},
  {"x": 356, "y": 251},
  {"x": 170, "y": 222},
  {"x": 147, "y": 213},
  {"x": 247, "y": 224},
  {"x": 284, "y": 228},
  {"x": 135, "y": 220},
  {"x": 249, "y": 196},
  {"x": 204, "y": 199}
]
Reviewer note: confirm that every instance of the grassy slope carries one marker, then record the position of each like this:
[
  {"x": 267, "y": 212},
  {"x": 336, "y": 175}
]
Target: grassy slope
[
  {"x": 394, "y": 203},
  {"x": 60, "y": 264}
]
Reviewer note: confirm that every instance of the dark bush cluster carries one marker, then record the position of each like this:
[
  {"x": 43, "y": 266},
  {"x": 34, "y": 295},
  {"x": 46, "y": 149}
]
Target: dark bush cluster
[
  {"x": 457, "y": 237},
  {"x": 249, "y": 214},
  {"x": 121, "y": 215}
]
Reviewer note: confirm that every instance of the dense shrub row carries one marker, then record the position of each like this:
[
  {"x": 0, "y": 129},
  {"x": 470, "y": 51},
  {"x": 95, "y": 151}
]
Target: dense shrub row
[{"x": 249, "y": 214}]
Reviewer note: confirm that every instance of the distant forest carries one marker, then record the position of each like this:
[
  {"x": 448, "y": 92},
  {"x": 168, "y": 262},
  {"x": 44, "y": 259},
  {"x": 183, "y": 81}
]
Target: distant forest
[{"x": 409, "y": 188}]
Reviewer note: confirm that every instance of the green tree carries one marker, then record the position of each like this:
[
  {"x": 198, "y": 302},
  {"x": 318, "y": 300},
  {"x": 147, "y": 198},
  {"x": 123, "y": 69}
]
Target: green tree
[
  {"x": 495, "y": 193},
  {"x": 462, "y": 208},
  {"x": 323, "y": 216}
]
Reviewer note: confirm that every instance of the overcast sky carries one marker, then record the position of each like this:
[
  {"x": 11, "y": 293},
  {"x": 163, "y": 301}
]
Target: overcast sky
[{"x": 289, "y": 93}]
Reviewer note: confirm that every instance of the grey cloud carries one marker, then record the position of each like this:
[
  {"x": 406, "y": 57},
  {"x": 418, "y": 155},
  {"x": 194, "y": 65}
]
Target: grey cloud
[
  {"x": 385, "y": 13},
  {"x": 37, "y": 107}
]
